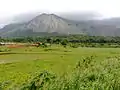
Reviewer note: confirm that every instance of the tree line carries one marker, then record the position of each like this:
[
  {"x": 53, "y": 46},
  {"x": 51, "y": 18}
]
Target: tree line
[{"x": 82, "y": 40}]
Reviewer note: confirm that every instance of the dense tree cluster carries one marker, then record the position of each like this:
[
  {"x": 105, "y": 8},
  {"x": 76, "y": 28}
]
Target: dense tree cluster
[{"x": 73, "y": 40}]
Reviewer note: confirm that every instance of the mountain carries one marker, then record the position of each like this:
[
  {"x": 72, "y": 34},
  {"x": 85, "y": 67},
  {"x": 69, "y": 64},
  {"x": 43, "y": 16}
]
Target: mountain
[
  {"x": 44, "y": 23},
  {"x": 106, "y": 27},
  {"x": 27, "y": 16},
  {"x": 51, "y": 24}
]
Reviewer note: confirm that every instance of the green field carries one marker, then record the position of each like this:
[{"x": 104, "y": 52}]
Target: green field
[{"x": 19, "y": 65}]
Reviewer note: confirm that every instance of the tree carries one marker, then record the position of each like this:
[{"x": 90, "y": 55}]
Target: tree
[
  {"x": 57, "y": 41},
  {"x": 49, "y": 40},
  {"x": 64, "y": 42}
]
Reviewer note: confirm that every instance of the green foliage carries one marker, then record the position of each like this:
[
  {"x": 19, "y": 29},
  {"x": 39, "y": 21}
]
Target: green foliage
[
  {"x": 3, "y": 49},
  {"x": 96, "y": 68},
  {"x": 49, "y": 40},
  {"x": 64, "y": 43},
  {"x": 88, "y": 75},
  {"x": 40, "y": 81},
  {"x": 57, "y": 41},
  {"x": 44, "y": 45},
  {"x": 74, "y": 45},
  {"x": 84, "y": 41}
]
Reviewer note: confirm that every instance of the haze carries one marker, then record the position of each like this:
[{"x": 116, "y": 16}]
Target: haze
[
  {"x": 11, "y": 8},
  {"x": 108, "y": 8}
]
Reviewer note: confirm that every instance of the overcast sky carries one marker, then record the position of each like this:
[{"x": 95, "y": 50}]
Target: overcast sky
[{"x": 108, "y": 8}]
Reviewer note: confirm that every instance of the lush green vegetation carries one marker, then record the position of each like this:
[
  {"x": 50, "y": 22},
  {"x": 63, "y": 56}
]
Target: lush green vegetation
[
  {"x": 87, "y": 75},
  {"x": 71, "y": 40},
  {"x": 71, "y": 62},
  {"x": 59, "y": 68}
]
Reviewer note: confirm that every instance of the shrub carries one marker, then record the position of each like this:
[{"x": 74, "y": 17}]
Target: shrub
[
  {"x": 87, "y": 75},
  {"x": 74, "y": 45},
  {"x": 40, "y": 81},
  {"x": 4, "y": 49}
]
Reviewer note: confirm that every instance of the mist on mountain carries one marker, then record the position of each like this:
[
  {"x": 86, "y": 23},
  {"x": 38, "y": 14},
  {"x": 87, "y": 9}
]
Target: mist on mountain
[{"x": 25, "y": 17}]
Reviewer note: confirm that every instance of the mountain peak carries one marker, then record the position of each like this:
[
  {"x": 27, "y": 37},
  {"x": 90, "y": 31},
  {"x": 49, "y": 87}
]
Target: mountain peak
[
  {"x": 45, "y": 14},
  {"x": 49, "y": 23}
]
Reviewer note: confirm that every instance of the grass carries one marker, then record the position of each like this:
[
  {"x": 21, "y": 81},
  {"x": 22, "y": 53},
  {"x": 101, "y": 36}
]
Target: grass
[
  {"x": 20, "y": 65},
  {"x": 87, "y": 75}
]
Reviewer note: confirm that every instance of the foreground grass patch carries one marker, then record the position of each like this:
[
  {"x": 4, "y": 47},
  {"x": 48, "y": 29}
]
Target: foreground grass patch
[
  {"x": 21, "y": 65},
  {"x": 87, "y": 75}
]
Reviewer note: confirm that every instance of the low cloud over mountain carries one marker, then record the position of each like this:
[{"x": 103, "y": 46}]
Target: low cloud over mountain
[{"x": 49, "y": 24}]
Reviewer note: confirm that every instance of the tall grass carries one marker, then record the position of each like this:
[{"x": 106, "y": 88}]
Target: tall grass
[{"x": 88, "y": 74}]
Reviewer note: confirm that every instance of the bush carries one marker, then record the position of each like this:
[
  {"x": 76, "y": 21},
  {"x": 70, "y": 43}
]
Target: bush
[
  {"x": 40, "y": 81},
  {"x": 64, "y": 43},
  {"x": 4, "y": 49},
  {"x": 74, "y": 45},
  {"x": 88, "y": 75}
]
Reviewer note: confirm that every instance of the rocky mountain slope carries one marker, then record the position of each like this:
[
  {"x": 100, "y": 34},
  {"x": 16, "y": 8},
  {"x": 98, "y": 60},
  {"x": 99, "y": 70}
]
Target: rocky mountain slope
[
  {"x": 51, "y": 24},
  {"x": 44, "y": 23}
]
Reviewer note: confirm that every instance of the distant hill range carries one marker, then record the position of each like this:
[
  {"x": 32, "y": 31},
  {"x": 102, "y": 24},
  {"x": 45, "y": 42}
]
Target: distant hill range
[{"x": 51, "y": 24}]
